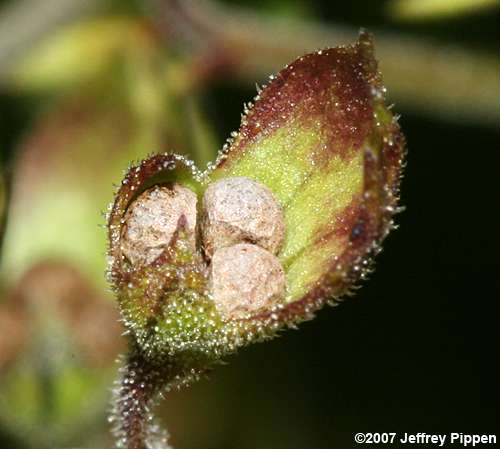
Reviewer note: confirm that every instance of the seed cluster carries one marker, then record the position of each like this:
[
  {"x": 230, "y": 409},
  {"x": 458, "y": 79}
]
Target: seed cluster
[{"x": 242, "y": 228}]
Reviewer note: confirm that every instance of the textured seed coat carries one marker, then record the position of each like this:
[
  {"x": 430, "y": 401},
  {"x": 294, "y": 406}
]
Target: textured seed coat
[
  {"x": 152, "y": 219},
  {"x": 245, "y": 278},
  {"x": 237, "y": 210}
]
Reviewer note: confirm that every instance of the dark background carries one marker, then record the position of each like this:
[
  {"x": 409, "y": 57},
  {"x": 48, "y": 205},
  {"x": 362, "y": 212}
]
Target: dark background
[{"x": 417, "y": 348}]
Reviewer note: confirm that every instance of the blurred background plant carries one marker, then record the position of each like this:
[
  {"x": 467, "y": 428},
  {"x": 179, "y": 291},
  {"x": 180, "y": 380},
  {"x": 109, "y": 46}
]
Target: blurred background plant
[{"x": 87, "y": 87}]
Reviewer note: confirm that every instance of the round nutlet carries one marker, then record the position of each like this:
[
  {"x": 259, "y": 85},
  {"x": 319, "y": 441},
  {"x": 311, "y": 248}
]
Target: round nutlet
[
  {"x": 237, "y": 210},
  {"x": 152, "y": 219},
  {"x": 245, "y": 279}
]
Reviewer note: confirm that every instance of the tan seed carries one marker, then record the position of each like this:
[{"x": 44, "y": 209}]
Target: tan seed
[
  {"x": 152, "y": 219},
  {"x": 245, "y": 279},
  {"x": 237, "y": 210}
]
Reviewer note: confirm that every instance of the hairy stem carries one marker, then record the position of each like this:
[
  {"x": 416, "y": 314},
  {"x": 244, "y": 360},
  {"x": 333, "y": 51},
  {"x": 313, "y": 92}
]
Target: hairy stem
[{"x": 140, "y": 385}]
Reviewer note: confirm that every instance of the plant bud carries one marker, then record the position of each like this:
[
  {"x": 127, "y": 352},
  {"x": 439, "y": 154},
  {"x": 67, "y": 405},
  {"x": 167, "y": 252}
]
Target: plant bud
[
  {"x": 245, "y": 278},
  {"x": 152, "y": 219},
  {"x": 239, "y": 210}
]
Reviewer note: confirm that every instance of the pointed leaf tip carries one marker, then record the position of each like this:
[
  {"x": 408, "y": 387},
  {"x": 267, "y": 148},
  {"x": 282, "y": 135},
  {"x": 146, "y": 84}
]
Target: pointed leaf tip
[{"x": 322, "y": 139}]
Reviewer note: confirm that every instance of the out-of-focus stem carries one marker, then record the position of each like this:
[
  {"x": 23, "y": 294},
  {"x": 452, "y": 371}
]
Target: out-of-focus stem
[
  {"x": 421, "y": 75},
  {"x": 204, "y": 143},
  {"x": 3, "y": 205}
]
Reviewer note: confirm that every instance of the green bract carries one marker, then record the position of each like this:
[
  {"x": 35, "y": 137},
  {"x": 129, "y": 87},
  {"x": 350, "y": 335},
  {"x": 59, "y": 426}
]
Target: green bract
[{"x": 321, "y": 138}]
